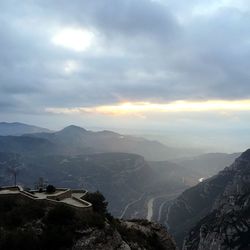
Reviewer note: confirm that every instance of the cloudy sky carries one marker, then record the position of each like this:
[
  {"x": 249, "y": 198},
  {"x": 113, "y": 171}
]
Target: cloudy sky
[{"x": 176, "y": 70}]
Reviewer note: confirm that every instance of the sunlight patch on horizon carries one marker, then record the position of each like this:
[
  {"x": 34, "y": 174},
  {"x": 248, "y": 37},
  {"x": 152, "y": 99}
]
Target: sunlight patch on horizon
[
  {"x": 141, "y": 108},
  {"x": 74, "y": 39}
]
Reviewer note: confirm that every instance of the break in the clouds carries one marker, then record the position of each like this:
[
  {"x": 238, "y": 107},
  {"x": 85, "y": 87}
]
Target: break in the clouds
[{"x": 80, "y": 55}]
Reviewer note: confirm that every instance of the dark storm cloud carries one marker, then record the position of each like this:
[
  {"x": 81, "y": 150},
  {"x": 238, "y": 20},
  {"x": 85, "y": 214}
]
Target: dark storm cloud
[{"x": 146, "y": 50}]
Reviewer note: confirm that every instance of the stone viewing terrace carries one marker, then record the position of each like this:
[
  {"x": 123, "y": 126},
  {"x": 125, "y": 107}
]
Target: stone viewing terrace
[{"x": 73, "y": 198}]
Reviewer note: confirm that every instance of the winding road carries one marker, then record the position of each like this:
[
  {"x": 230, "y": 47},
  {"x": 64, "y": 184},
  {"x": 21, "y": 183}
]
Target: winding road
[
  {"x": 150, "y": 204},
  {"x": 150, "y": 209}
]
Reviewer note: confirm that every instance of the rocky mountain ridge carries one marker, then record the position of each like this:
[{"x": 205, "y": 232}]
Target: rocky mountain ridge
[
  {"x": 214, "y": 213},
  {"x": 228, "y": 225}
]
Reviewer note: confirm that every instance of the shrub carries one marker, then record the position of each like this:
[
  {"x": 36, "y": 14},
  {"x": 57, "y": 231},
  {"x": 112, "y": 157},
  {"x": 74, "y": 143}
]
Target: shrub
[
  {"x": 98, "y": 202},
  {"x": 60, "y": 215},
  {"x": 57, "y": 237},
  {"x": 60, "y": 224},
  {"x": 50, "y": 189},
  {"x": 19, "y": 240}
]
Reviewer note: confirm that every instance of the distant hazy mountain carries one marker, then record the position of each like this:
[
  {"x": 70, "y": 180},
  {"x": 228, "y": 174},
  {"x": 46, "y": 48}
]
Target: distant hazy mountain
[
  {"x": 208, "y": 165},
  {"x": 77, "y": 140},
  {"x": 17, "y": 128},
  {"x": 221, "y": 204}
]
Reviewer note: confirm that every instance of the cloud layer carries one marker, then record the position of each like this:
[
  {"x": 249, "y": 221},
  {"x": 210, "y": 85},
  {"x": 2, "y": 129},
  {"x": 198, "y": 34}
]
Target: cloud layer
[{"x": 142, "y": 50}]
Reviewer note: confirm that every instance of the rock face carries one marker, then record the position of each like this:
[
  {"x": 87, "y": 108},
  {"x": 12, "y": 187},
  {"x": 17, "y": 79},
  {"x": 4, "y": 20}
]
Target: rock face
[
  {"x": 195, "y": 203},
  {"x": 101, "y": 240},
  {"x": 128, "y": 235},
  {"x": 228, "y": 225},
  {"x": 221, "y": 206}
]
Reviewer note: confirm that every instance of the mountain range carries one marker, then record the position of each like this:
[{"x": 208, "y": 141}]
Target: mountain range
[{"x": 77, "y": 140}]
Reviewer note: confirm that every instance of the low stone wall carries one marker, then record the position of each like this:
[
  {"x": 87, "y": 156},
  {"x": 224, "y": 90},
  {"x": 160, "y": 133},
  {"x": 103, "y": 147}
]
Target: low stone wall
[
  {"x": 12, "y": 188},
  {"x": 28, "y": 194},
  {"x": 58, "y": 197},
  {"x": 50, "y": 201},
  {"x": 43, "y": 202},
  {"x": 85, "y": 203},
  {"x": 79, "y": 191}
]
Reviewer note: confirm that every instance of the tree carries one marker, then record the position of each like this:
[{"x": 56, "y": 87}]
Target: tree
[
  {"x": 50, "y": 189},
  {"x": 61, "y": 215},
  {"x": 98, "y": 202}
]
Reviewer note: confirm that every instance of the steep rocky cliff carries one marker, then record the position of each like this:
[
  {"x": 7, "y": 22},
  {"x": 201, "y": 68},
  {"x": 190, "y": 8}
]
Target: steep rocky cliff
[
  {"x": 228, "y": 225},
  {"x": 217, "y": 210},
  {"x": 195, "y": 203}
]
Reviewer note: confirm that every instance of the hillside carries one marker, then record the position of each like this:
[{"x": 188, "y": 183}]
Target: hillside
[
  {"x": 215, "y": 204},
  {"x": 121, "y": 177},
  {"x": 25, "y": 225},
  {"x": 174, "y": 172},
  {"x": 208, "y": 165},
  {"x": 228, "y": 225},
  {"x": 28, "y": 145}
]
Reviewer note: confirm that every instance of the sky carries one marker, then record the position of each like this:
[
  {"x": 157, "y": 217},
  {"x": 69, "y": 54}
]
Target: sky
[{"x": 172, "y": 70}]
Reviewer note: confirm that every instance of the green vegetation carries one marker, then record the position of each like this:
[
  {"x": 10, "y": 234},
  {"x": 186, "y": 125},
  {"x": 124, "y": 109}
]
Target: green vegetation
[
  {"x": 15, "y": 213},
  {"x": 30, "y": 225}
]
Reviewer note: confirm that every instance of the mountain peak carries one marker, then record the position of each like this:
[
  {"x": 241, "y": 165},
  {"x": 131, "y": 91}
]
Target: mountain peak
[
  {"x": 108, "y": 132},
  {"x": 74, "y": 128}
]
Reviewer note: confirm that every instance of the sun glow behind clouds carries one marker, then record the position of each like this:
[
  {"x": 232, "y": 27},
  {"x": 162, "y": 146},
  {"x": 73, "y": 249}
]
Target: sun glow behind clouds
[
  {"x": 141, "y": 108},
  {"x": 75, "y": 39}
]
